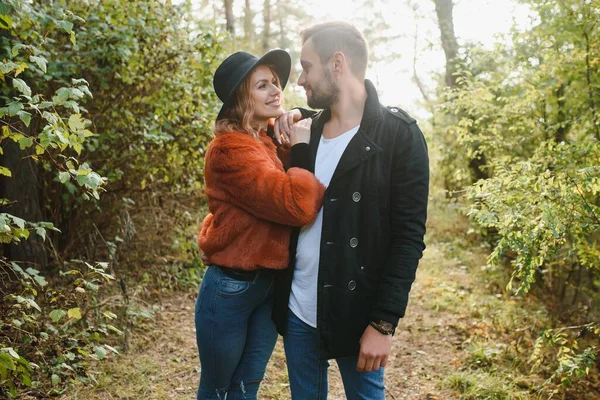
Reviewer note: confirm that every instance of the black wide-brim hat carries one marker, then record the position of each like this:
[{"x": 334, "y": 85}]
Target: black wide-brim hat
[{"x": 232, "y": 72}]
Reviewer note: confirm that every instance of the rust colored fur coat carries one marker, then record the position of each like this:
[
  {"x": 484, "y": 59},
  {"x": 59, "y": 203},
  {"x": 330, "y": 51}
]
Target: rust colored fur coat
[{"x": 253, "y": 203}]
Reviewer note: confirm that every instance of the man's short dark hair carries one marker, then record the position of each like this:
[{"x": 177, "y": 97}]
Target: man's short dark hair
[{"x": 330, "y": 37}]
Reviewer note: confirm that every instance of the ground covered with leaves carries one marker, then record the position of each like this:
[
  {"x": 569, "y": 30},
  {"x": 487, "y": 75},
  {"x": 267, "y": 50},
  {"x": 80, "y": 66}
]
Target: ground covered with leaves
[{"x": 464, "y": 337}]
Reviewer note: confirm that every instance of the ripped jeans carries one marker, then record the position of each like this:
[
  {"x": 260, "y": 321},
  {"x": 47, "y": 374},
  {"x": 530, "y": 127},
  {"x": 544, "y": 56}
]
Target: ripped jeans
[{"x": 234, "y": 333}]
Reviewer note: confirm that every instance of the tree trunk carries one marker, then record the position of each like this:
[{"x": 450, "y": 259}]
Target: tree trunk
[
  {"x": 444, "y": 9},
  {"x": 229, "y": 16},
  {"x": 248, "y": 19},
  {"x": 23, "y": 192},
  {"x": 266, "y": 25},
  {"x": 561, "y": 117}
]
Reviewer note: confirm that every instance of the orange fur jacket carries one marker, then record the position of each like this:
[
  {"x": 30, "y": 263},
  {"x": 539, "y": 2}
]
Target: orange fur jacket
[{"x": 253, "y": 203}]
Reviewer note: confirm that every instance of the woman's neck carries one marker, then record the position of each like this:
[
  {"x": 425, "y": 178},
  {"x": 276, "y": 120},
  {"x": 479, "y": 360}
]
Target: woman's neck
[{"x": 261, "y": 124}]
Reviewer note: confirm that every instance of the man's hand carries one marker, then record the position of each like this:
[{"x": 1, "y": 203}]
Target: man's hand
[
  {"x": 284, "y": 125},
  {"x": 374, "y": 350}
]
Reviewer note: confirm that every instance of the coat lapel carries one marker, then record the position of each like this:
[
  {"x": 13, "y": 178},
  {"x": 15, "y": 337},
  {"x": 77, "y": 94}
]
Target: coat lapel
[{"x": 362, "y": 146}]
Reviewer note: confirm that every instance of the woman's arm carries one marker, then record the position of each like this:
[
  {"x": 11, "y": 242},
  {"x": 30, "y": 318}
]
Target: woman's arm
[{"x": 239, "y": 171}]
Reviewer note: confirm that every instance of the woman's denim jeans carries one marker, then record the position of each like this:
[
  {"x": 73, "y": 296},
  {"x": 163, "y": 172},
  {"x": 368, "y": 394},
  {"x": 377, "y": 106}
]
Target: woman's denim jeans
[
  {"x": 234, "y": 333},
  {"x": 308, "y": 374}
]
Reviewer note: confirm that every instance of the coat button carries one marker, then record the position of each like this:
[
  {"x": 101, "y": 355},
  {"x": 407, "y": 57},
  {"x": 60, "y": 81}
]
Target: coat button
[
  {"x": 351, "y": 285},
  {"x": 356, "y": 197},
  {"x": 353, "y": 242},
  {"x": 362, "y": 267},
  {"x": 393, "y": 109},
  {"x": 367, "y": 148}
]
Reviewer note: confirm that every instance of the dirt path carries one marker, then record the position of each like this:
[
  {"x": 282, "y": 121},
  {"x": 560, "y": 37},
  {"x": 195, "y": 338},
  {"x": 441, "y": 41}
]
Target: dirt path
[{"x": 163, "y": 363}]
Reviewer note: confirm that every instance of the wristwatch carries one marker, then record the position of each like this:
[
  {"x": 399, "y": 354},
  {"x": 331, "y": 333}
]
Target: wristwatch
[{"x": 383, "y": 327}]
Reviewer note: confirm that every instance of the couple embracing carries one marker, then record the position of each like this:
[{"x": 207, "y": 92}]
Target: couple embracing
[{"x": 316, "y": 222}]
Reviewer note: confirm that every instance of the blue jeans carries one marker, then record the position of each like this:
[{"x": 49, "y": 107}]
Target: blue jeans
[
  {"x": 234, "y": 333},
  {"x": 308, "y": 374}
]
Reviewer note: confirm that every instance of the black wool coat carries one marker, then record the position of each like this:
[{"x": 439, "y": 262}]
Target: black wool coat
[{"x": 374, "y": 215}]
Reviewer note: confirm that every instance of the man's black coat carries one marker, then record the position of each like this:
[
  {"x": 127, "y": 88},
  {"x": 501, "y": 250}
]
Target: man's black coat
[{"x": 374, "y": 215}]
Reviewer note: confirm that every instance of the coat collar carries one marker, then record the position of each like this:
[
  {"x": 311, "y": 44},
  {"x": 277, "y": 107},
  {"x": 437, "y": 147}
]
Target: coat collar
[
  {"x": 371, "y": 113},
  {"x": 362, "y": 146}
]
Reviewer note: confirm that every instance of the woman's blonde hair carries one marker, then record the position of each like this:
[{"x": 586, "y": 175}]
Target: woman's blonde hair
[{"x": 239, "y": 117}]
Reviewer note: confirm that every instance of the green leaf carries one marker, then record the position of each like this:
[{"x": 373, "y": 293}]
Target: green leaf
[
  {"x": 41, "y": 232},
  {"x": 25, "y": 142},
  {"x": 41, "y": 62},
  {"x": 77, "y": 93},
  {"x": 74, "y": 313},
  {"x": 18, "y": 221},
  {"x": 21, "y": 233},
  {"x": 64, "y": 176},
  {"x": 109, "y": 315},
  {"x": 7, "y": 362},
  {"x": 56, "y": 315},
  {"x": 5, "y": 171},
  {"x": 111, "y": 349},
  {"x": 75, "y": 122},
  {"x": 33, "y": 304},
  {"x": 16, "y": 48},
  {"x": 50, "y": 117},
  {"x": 25, "y": 117},
  {"x": 21, "y": 86},
  {"x": 14, "y": 107},
  {"x": 40, "y": 279},
  {"x": 67, "y": 26},
  {"x": 77, "y": 147},
  {"x": 5, "y": 22},
  {"x": 62, "y": 95},
  {"x": 112, "y": 328},
  {"x": 7, "y": 67},
  {"x": 86, "y": 90},
  {"x": 45, "y": 104},
  {"x": 22, "y": 67},
  {"x": 100, "y": 352},
  {"x": 79, "y": 81},
  {"x": 12, "y": 352},
  {"x": 92, "y": 286},
  {"x": 4, "y": 8},
  {"x": 72, "y": 105},
  {"x": 55, "y": 380}
]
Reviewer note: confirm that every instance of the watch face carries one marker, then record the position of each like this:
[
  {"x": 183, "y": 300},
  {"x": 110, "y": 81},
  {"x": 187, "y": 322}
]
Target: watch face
[
  {"x": 388, "y": 326},
  {"x": 385, "y": 327}
]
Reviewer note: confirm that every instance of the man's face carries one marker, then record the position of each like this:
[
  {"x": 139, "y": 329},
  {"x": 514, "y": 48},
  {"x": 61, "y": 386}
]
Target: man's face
[{"x": 321, "y": 89}]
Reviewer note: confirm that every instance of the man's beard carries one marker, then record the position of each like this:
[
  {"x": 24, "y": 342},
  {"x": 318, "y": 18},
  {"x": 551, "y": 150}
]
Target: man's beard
[{"x": 324, "y": 94}]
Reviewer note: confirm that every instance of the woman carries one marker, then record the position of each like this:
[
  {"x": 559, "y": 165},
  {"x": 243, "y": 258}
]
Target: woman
[{"x": 253, "y": 204}]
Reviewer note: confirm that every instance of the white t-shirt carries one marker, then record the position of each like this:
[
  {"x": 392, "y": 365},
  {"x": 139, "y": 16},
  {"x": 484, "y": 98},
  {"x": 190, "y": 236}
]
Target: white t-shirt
[{"x": 303, "y": 298}]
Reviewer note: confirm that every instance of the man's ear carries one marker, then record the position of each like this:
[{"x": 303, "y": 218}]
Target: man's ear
[{"x": 338, "y": 62}]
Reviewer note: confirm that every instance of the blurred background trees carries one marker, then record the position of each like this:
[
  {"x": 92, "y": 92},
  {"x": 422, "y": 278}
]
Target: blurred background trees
[{"x": 107, "y": 106}]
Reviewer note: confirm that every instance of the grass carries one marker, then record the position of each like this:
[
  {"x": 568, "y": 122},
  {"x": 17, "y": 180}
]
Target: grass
[{"x": 464, "y": 336}]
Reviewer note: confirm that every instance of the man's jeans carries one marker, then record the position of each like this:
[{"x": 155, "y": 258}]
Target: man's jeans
[
  {"x": 308, "y": 374},
  {"x": 234, "y": 333}
]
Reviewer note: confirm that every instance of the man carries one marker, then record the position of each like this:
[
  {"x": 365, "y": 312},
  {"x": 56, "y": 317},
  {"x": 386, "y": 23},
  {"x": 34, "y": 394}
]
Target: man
[{"x": 354, "y": 266}]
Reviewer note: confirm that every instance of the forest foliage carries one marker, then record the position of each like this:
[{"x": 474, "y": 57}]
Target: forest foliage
[
  {"x": 107, "y": 105},
  {"x": 106, "y": 109},
  {"x": 526, "y": 117}
]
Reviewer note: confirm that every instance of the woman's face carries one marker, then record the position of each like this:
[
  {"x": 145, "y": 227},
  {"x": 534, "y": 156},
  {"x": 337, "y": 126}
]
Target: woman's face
[{"x": 265, "y": 94}]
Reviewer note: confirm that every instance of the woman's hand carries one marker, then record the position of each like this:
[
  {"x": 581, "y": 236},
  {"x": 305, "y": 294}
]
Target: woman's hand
[
  {"x": 301, "y": 132},
  {"x": 284, "y": 125}
]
